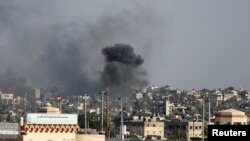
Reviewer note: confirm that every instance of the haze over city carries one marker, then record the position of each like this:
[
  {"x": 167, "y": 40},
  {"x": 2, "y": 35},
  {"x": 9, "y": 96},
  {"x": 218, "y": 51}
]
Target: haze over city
[
  {"x": 134, "y": 70},
  {"x": 186, "y": 44}
]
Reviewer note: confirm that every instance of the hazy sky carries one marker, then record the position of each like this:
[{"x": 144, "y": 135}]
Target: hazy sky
[
  {"x": 210, "y": 44},
  {"x": 185, "y": 44}
]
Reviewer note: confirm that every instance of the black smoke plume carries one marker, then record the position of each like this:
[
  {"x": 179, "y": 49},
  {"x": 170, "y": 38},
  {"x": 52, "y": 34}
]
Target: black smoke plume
[
  {"x": 122, "y": 71},
  {"x": 58, "y": 43},
  {"x": 11, "y": 82}
]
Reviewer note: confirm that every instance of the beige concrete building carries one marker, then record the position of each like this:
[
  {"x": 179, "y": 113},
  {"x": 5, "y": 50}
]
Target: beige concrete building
[
  {"x": 183, "y": 130},
  {"x": 49, "y": 125},
  {"x": 231, "y": 116},
  {"x": 154, "y": 128},
  {"x": 6, "y": 98},
  {"x": 194, "y": 130},
  {"x": 145, "y": 127}
]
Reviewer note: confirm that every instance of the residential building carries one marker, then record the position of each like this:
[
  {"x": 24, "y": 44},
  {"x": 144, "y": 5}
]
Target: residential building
[
  {"x": 169, "y": 108},
  {"x": 9, "y": 132},
  {"x": 37, "y": 93},
  {"x": 231, "y": 116},
  {"x": 139, "y": 95},
  {"x": 154, "y": 129},
  {"x": 179, "y": 129},
  {"x": 194, "y": 130},
  {"x": 230, "y": 94},
  {"x": 6, "y": 98},
  {"x": 216, "y": 97}
]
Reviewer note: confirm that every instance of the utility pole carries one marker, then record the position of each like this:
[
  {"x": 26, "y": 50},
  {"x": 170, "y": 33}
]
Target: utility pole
[
  {"x": 60, "y": 109},
  {"x": 107, "y": 115},
  {"x": 122, "y": 134},
  {"x": 209, "y": 109},
  {"x": 25, "y": 97},
  {"x": 102, "y": 93},
  {"x": 203, "y": 117},
  {"x": 85, "y": 112}
]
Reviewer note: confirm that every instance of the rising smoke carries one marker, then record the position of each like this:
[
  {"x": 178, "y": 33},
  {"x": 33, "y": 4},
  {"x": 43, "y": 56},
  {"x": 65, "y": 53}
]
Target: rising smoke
[
  {"x": 122, "y": 71},
  {"x": 59, "y": 43},
  {"x": 10, "y": 82}
]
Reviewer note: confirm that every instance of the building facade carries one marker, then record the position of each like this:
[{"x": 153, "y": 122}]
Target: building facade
[
  {"x": 231, "y": 117},
  {"x": 154, "y": 129},
  {"x": 6, "y": 98},
  {"x": 169, "y": 108},
  {"x": 49, "y": 125},
  {"x": 183, "y": 130}
]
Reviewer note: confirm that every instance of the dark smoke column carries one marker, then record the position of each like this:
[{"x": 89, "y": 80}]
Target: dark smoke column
[{"x": 122, "y": 72}]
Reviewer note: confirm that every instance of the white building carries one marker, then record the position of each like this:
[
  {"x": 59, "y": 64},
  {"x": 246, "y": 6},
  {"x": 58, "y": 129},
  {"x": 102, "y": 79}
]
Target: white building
[
  {"x": 37, "y": 93},
  {"x": 6, "y": 98},
  {"x": 230, "y": 95},
  {"x": 169, "y": 108},
  {"x": 139, "y": 95},
  {"x": 216, "y": 97},
  {"x": 9, "y": 131}
]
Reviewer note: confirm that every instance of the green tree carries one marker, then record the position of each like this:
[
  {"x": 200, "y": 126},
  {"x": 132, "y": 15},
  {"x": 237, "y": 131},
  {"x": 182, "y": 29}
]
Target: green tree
[
  {"x": 133, "y": 137},
  {"x": 9, "y": 118},
  {"x": 92, "y": 121}
]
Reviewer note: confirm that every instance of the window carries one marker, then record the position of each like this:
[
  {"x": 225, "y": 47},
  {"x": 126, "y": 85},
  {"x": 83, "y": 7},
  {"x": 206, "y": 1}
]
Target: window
[
  {"x": 199, "y": 127},
  {"x": 153, "y": 125},
  {"x": 191, "y": 127},
  {"x": 196, "y": 127}
]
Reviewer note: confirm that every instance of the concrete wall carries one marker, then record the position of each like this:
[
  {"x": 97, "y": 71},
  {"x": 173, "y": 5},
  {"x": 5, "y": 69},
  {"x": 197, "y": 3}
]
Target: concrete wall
[
  {"x": 49, "y": 137},
  {"x": 84, "y": 137}
]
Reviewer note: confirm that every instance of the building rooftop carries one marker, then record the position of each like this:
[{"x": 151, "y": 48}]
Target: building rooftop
[
  {"x": 230, "y": 112},
  {"x": 48, "y": 109}
]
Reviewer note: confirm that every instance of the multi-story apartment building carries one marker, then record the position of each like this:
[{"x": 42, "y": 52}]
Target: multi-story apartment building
[
  {"x": 183, "y": 130},
  {"x": 168, "y": 108},
  {"x": 231, "y": 116},
  {"x": 154, "y": 129},
  {"x": 6, "y": 98}
]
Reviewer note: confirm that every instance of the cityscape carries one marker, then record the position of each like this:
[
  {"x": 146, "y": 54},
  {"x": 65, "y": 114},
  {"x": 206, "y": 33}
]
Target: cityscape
[
  {"x": 124, "y": 70},
  {"x": 151, "y": 113}
]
